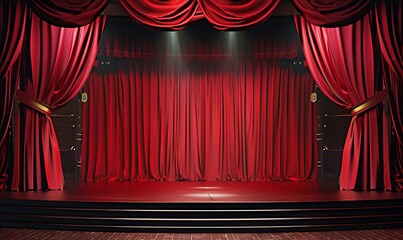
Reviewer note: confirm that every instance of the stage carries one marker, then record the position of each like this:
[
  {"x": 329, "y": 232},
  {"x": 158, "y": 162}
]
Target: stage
[
  {"x": 203, "y": 192},
  {"x": 201, "y": 207}
]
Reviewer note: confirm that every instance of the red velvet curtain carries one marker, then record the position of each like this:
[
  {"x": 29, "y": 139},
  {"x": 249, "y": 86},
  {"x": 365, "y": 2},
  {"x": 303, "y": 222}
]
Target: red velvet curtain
[
  {"x": 389, "y": 19},
  {"x": 228, "y": 14},
  {"x": 68, "y": 13},
  {"x": 398, "y": 165},
  {"x": 57, "y": 64},
  {"x": 176, "y": 14},
  {"x": 331, "y": 13},
  {"x": 8, "y": 86},
  {"x": 395, "y": 91},
  {"x": 172, "y": 14},
  {"x": 12, "y": 29},
  {"x": 345, "y": 64},
  {"x": 199, "y": 120}
]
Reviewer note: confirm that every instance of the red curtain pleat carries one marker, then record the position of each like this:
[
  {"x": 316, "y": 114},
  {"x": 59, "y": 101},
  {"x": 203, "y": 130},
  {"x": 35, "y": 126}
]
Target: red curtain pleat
[
  {"x": 345, "y": 64},
  {"x": 225, "y": 15},
  {"x": 68, "y": 13},
  {"x": 8, "y": 86},
  {"x": 12, "y": 29},
  {"x": 394, "y": 85},
  {"x": 176, "y": 14},
  {"x": 171, "y": 14},
  {"x": 56, "y": 65},
  {"x": 191, "y": 120},
  {"x": 333, "y": 13},
  {"x": 389, "y": 19},
  {"x": 398, "y": 165}
]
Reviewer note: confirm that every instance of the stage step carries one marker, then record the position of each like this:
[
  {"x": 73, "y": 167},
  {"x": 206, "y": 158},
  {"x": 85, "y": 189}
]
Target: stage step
[{"x": 201, "y": 217}]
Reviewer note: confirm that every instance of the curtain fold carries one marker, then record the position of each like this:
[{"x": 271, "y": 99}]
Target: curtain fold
[
  {"x": 8, "y": 86},
  {"x": 398, "y": 152},
  {"x": 333, "y": 13},
  {"x": 171, "y": 14},
  {"x": 394, "y": 85},
  {"x": 57, "y": 63},
  {"x": 176, "y": 14},
  {"x": 389, "y": 20},
  {"x": 12, "y": 29},
  {"x": 199, "y": 120},
  {"x": 225, "y": 15},
  {"x": 68, "y": 13},
  {"x": 346, "y": 65}
]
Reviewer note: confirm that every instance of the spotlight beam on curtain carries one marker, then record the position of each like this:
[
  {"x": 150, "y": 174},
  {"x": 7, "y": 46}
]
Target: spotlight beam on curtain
[
  {"x": 57, "y": 64},
  {"x": 346, "y": 66},
  {"x": 12, "y": 29}
]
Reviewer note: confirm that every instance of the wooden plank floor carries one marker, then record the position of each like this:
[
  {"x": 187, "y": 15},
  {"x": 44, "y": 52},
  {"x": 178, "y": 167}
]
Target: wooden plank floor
[{"x": 378, "y": 234}]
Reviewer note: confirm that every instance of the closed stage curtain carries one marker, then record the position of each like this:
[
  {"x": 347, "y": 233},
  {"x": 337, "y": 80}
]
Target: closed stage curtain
[
  {"x": 12, "y": 29},
  {"x": 248, "y": 119},
  {"x": 56, "y": 64},
  {"x": 68, "y": 13},
  {"x": 332, "y": 13},
  {"x": 176, "y": 14},
  {"x": 346, "y": 66}
]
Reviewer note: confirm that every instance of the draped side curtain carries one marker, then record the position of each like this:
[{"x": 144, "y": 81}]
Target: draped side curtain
[
  {"x": 199, "y": 120},
  {"x": 8, "y": 86},
  {"x": 12, "y": 29},
  {"x": 395, "y": 90},
  {"x": 332, "y": 13},
  {"x": 389, "y": 19},
  {"x": 57, "y": 63},
  {"x": 389, "y": 22},
  {"x": 346, "y": 66}
]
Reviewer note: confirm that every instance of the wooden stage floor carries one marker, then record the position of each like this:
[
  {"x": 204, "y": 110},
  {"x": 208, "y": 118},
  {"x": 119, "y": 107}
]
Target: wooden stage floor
[{"x": 189, "y": 192}]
